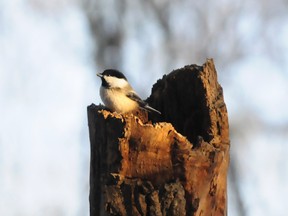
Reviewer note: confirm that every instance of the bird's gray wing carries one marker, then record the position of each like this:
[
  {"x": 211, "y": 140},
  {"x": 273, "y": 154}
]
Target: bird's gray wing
[
  {"x": 144, "y": 105},
  {"x": 133, "y": 96}
]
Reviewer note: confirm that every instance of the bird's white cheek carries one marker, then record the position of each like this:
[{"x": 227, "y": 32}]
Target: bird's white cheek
[{"x": 116, "y": 82}]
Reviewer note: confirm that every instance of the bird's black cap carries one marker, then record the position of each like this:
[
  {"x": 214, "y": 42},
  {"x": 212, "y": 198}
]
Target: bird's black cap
[{"x": 114, "y": 73}]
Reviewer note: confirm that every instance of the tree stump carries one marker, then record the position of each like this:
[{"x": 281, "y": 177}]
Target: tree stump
[{"x": 170, "y": 164}]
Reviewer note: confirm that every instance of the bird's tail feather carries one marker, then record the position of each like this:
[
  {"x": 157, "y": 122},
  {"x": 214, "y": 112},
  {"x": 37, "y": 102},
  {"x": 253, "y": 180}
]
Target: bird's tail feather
[{"x": 150, "y": 109}]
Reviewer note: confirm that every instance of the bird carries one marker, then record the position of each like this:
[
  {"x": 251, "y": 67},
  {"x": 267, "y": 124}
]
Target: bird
[{"x": 118, "y": 95}]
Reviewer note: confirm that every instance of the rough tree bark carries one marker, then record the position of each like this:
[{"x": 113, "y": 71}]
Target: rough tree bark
[{"x": 170, "y": 164}]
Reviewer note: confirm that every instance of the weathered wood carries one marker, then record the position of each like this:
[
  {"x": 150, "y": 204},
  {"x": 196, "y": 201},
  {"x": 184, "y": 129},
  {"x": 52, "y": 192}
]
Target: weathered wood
[{"x": 175, "y": 166}]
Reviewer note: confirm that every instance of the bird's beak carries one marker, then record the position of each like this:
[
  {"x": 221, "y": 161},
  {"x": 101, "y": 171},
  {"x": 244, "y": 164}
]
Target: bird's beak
[{"x": 99, "y": 75}]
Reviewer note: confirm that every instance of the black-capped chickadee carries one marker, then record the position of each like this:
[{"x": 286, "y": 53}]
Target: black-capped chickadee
[{"x": 118, "y": 95}]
